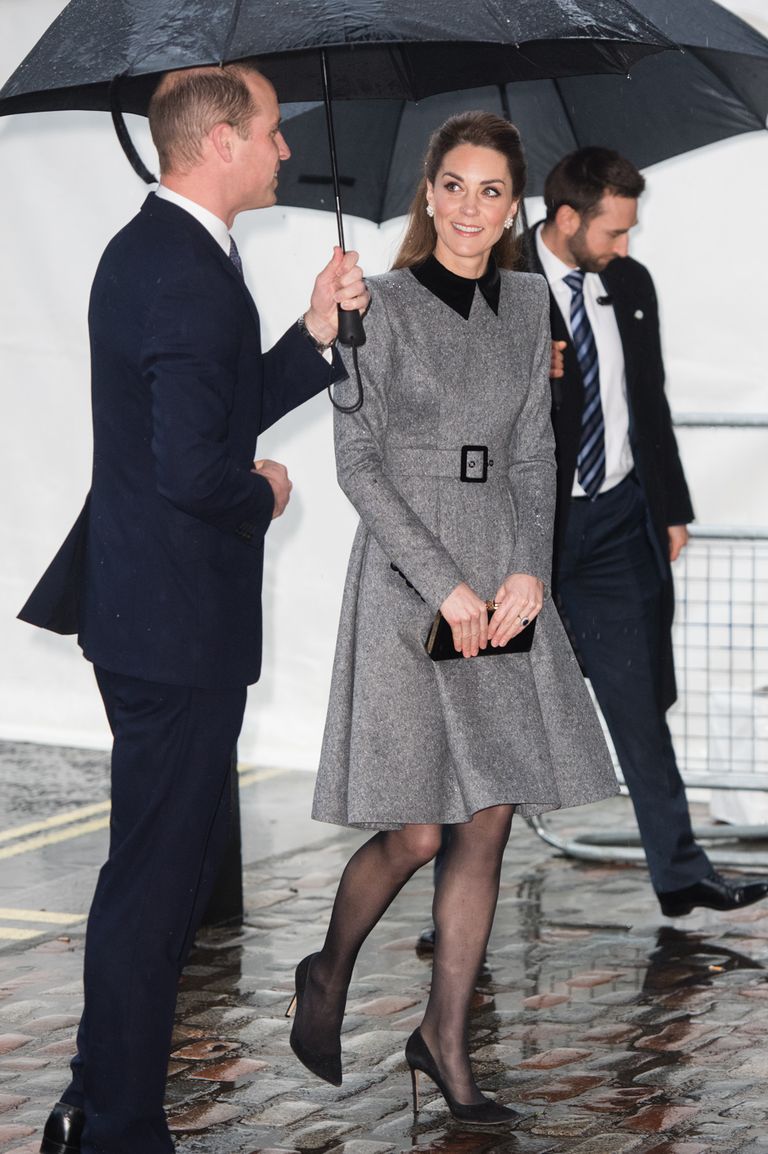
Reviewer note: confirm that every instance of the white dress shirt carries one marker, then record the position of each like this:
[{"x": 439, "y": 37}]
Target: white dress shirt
[
  {"x": 610, "y": 355},
  {"x": 212, "y": 223}
]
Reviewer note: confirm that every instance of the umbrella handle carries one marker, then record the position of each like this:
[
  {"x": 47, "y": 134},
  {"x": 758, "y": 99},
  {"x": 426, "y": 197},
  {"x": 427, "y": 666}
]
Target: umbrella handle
[
  {"x": 351, "y": 330},
  {"x": 351, "y": 333}
]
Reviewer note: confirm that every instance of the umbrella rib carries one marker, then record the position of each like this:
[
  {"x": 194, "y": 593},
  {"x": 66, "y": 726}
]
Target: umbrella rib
[
  {"x": 385, "y": 183},
  {"x": 719, "y": 73},
  {"x": 566, "y": 112}
]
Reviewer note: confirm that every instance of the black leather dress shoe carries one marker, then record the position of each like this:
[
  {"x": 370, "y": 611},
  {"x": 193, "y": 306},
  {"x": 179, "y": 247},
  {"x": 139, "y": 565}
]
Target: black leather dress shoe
[
  {"x": 425, "y": 943},
  {"x": 714, "y": 892},
  {"x": 63, "y": 1130}
]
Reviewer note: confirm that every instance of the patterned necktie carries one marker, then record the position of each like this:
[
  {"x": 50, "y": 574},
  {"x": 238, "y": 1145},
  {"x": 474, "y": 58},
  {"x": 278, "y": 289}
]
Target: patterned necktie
[
  {"x": 591, "y": 458},
  {"x": 234, "y": 256}
]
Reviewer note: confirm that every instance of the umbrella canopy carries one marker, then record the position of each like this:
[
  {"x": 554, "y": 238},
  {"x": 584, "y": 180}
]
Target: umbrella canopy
[
  {"x": 672, "y": 103},
  {"x": 109, "y": 53},
  {"x": 375, "y": 48}
]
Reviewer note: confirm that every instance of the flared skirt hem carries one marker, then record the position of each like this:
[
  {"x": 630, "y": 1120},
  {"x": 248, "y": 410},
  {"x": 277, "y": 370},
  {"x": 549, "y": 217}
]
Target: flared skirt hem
[{"x": 454, "y": 817}]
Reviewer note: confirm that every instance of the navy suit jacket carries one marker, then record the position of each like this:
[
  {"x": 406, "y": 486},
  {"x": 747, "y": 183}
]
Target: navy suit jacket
[
  {"x": 161, "y": 574},
  {"x": 652, "y": 438}
]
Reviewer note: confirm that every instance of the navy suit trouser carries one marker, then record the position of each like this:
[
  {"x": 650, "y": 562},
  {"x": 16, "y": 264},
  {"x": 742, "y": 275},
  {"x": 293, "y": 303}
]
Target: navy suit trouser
[
  {"x": 171, "y": 763},
  {"x": 609, "y": 586}
]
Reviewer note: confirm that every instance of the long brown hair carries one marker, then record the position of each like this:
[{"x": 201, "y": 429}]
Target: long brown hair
[{"x": 484, "y": 130}]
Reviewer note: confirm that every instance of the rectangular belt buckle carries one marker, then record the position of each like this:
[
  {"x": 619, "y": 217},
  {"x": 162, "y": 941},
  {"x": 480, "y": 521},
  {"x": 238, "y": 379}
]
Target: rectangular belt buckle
[{"x": 469, "y": 468}]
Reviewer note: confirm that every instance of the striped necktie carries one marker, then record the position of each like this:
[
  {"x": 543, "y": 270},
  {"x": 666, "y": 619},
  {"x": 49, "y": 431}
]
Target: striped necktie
[
  {"x": 590, "y": 463},
  {"x": 234, "y": 256}
]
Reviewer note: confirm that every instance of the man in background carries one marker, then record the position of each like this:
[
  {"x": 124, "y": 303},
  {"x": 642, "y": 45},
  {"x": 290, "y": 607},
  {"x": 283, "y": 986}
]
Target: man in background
[{"x": 622, "y": 506}]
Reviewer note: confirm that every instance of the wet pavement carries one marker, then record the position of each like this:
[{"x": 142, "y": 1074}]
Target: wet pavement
[{"x": 615, "y": 1029}]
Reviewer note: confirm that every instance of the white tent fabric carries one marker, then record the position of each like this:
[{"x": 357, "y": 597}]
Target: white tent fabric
[{"x": 66, "y": 188}]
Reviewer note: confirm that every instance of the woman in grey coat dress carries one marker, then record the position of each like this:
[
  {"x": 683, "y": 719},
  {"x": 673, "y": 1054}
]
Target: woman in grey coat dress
[{"x": 450, "y": 465}]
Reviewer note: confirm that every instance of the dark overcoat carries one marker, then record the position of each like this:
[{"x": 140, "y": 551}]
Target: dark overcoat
[
  {"x": 630, "y": 288},
  {"x": 161, "y": 574}
]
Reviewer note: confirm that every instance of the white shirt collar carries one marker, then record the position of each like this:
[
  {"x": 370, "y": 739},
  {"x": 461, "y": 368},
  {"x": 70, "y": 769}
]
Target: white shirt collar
[
  {"x": 212, "y": 223},
  {"x": 554, "y": 268}
]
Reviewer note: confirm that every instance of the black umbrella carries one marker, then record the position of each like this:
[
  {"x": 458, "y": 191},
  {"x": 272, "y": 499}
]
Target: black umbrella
[
  {"x": 672, "y": 103},
  {"x": 108, "y": 54},
  {"x": 375, "y": 48}
]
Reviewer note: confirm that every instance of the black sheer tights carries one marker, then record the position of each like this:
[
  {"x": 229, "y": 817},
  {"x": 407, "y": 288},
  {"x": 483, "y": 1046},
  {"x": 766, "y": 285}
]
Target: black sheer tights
[{"x": 464, "y": 904}]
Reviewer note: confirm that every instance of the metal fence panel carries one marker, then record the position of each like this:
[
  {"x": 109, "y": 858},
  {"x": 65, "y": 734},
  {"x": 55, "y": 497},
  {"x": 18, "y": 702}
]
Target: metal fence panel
[{"x": 720, "y": 723}]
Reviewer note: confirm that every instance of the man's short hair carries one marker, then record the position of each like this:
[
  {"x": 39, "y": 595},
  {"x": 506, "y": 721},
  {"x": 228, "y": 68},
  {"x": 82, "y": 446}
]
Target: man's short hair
[
  {"x": 582, "y": 178},
  {"x": 188, "y": 103}
]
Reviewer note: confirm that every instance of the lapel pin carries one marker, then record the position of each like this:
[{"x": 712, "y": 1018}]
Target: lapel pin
[{"x": 639, "y": 314}]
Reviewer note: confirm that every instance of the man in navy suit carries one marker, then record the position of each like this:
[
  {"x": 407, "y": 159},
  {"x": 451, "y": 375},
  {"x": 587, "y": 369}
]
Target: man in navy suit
[
  {"x": 622, "y": 504},
  {"x": 161, "y": 576}
]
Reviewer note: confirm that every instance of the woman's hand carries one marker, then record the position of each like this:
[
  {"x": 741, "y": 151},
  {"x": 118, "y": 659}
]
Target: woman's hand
[
  {"x": 468, "y": 618},
  {"x": 519, "y": 599}
]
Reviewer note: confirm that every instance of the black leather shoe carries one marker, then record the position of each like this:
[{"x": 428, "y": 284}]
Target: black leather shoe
[
  {"x": 425, "y": 943},
  {"x": 326, "y": 1064},
  {"x": 486, "y": 1112},
  {"x": 714, "y": 892},
  {"x": 63, "y": 1130}
]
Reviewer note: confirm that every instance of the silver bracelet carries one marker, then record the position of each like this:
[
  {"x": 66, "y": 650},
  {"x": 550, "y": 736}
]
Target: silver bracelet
[{"x": 321, "y": 346}]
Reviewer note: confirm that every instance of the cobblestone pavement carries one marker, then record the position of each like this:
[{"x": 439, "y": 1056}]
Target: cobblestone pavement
[{"x": 617, "y": 1030}]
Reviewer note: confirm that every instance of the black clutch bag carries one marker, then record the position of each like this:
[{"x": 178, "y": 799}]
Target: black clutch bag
[{"x": 439, "y": 644}]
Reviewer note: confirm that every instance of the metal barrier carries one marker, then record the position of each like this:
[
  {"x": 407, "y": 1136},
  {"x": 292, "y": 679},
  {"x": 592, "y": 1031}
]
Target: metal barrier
[{"x": 720, "y": 722}]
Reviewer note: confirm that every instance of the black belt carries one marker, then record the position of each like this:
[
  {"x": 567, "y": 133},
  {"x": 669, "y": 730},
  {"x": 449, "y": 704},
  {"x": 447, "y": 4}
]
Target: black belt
[{"x": 469, "y": 463}]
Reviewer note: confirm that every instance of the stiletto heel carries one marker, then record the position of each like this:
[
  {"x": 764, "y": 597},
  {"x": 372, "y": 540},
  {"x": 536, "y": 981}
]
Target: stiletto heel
[
  {"x": 415, "y": 1090},
  {"x": 325, "y": 1064},
  {"x": 485, "y": 1113}
]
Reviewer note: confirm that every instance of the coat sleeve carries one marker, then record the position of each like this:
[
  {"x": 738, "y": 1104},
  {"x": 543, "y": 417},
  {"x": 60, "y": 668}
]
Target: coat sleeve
[
  {"x": 294, "y": 372},
  {"x": 190, "y": 358},
  {"x": 359, "y": 440},
  {"x": 532, "y": 468},
  {"x": 678, "y": 505}
]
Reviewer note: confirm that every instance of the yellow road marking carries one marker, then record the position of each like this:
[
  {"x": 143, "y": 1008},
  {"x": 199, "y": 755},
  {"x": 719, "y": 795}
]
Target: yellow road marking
[
  {"x": 53, "y": 838},
  {"x": 11, "y": 915},
  {"x": 15, "y": 935},
  {"x": 49, "y": 831},
  {"x": 52, "y": 822}
]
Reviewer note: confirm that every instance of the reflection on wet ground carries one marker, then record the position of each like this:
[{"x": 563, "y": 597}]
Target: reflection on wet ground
[{"x": 615, "y": 1029}]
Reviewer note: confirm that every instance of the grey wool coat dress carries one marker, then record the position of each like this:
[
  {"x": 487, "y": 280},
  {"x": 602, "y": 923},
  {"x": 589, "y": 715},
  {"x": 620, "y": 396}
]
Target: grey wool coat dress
[{"x": 408, "y": 739}]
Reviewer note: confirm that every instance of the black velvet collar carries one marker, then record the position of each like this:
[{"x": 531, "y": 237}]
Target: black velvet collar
[{"x": 458, "y": 291}]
